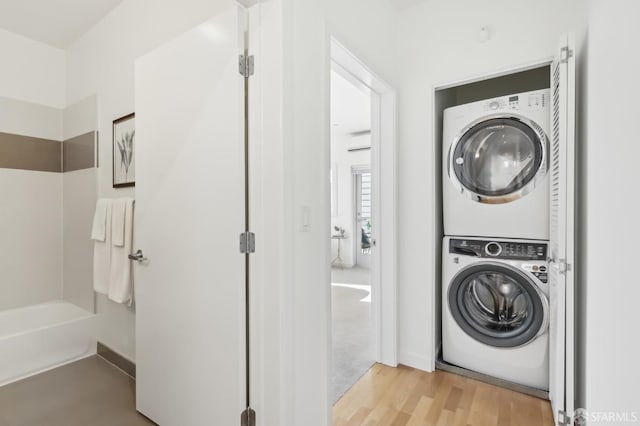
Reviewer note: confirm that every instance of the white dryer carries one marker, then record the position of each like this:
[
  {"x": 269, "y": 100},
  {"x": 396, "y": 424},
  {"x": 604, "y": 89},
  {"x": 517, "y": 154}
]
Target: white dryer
[
  {"x": 495, "y": 309},
  {"x": 495, "y": 167}
]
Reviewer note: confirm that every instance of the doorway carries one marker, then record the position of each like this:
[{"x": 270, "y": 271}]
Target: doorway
[
  {"x": 363, "y": 277},
  {"x": 351, "y": 223}
]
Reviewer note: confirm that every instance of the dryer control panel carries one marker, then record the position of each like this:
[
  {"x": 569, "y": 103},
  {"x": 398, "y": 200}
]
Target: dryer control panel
[
  {"x": 512, "y": 250},
  {"x": 523, "y": 101}
]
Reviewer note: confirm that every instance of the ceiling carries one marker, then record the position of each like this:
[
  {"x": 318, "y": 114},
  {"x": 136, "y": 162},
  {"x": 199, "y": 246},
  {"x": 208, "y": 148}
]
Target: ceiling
[
  {"x": 350, "y": 107},
  {"x": 57, "y": 23}
]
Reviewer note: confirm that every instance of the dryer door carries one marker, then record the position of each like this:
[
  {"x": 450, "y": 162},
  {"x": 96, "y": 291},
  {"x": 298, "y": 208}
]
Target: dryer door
[
  {"x": 498, "y": 305},
  {"x": 499, "y": 159}
]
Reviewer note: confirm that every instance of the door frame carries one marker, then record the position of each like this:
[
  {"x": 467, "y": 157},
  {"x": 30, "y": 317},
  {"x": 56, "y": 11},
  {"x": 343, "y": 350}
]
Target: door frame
[{"x": 383, "y": 172}]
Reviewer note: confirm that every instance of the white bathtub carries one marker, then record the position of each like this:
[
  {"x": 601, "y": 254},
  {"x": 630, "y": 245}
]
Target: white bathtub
[{"x": 40, "y": 337}]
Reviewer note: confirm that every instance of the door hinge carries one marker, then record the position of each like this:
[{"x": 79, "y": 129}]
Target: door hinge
[
  {"x": 248, "y": 417},
  {"x": 563, "y": 266},
  {"x": 563, "y": 419},
  {"x": 246, "y": 65},
  {"x": 247, "y": 243},
  {"x": 565, "y": 54}
]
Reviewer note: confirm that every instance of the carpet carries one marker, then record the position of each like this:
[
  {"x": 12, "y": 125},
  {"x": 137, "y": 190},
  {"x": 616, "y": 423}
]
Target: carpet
[{"x": 351, "y": 341}]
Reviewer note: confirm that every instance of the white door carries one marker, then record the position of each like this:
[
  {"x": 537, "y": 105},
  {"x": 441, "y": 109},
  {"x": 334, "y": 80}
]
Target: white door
[
  {"x": 189, "y": 215},
  {"x": 561, "y": 247}
]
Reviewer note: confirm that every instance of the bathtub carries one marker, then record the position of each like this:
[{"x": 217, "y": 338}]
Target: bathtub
[{"x": 40, "y": 337}]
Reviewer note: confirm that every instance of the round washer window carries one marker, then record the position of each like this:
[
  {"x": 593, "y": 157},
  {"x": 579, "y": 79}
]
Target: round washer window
[
  {"x": 497, "y": 157},
  {"x": 496, "y": 305}
]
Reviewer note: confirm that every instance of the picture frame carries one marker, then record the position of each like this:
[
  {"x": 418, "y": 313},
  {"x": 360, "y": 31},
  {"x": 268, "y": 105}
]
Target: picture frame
[{"x": 123, "y": 145}]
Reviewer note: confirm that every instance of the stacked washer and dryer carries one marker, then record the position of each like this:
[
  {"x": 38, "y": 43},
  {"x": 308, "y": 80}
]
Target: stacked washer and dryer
[{"x": 495, "y": 306}]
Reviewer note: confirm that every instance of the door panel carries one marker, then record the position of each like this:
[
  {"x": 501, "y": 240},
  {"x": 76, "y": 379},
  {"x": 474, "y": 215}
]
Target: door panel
[
  {"x": 497, "y": 305},
  {"x": 499, "y": 157},
  {"x": 190, "y": 212},
  {"x": 561, "y": 387}
]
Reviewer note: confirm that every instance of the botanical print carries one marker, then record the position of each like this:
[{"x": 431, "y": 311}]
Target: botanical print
[
  {"x": 125, "y": 146},
  {"x": 123, "y": 151}
]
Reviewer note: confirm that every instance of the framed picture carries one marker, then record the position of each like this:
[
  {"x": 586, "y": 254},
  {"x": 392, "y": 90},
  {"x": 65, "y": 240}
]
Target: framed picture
[{"x": 124, "y": 167}]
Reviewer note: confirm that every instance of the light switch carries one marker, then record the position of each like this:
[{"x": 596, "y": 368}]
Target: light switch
[{"x": 305, "y": 219}]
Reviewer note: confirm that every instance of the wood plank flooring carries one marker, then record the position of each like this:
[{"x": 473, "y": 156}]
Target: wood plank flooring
[{"x": 405, "y": 396}]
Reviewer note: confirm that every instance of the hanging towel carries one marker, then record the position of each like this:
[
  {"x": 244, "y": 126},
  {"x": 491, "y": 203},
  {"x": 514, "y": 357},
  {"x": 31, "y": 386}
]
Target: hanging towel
[
  {"x": 118, "y": 217},
  {"x": 101, "y": 234},
  {"x": 99, "y": 229},
  {"x": 120, "y": 277}
]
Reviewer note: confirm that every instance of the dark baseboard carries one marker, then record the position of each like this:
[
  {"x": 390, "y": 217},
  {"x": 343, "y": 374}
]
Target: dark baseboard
[{"x": 112, "y": 357}]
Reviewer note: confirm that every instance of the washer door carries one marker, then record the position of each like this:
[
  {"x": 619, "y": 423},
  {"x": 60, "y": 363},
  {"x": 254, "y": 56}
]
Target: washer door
[
  {"x": 498, "y": 159},
  {"x": 498, "y": 305}
]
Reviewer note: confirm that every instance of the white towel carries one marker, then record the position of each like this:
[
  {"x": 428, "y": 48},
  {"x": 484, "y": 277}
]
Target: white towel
[
  {"x": 120, "y": 277},
  {"x": 99, "y": 228},
  {"x": 101, "y": 234},
  {"x": 118, "y": 218}
]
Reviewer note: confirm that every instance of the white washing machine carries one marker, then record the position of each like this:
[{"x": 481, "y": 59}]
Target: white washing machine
[
  {"x": 495, "y": 167},
  {"x": 495, "y": 309}
]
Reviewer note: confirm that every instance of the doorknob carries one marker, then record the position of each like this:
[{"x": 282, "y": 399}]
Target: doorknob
[{"x": 137, "y": 256}]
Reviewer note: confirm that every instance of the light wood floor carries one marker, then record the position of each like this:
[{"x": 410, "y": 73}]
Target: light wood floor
[{"x": 405, "y": 396}]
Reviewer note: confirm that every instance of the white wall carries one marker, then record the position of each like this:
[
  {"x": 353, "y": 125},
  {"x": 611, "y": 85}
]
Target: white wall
[
  {"x": 31, "y": 71},
  {"x": 609, "y": 211},
  {"x": 437, "y": 44},
  {"x": 307, "y": 25},
  {"x": 102, "y": 62}
]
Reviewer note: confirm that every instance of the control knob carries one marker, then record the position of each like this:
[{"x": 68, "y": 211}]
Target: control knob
[{"x": 493, "y": 249}]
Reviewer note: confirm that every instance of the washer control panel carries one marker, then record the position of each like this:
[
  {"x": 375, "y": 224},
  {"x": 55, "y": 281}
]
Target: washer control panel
[
  {"x": 499, "y": 249},
  {"x": 538, "y": 270}
]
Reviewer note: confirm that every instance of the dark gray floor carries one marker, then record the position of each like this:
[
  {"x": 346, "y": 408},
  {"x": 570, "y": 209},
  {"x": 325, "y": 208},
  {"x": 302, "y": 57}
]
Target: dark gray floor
[{"x": 89, "y": 392}]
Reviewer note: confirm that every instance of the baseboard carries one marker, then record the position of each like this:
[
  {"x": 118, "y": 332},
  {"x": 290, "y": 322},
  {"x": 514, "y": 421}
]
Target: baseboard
[
  {"x": 119, "y": 361},
  {"x": 416, "y": 361}
]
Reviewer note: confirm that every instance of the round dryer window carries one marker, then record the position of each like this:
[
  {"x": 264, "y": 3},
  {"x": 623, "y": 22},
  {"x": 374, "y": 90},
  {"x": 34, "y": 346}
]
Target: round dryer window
[
  {"x": 499, "y": 159},
  {"x": 497, "y": 305}
]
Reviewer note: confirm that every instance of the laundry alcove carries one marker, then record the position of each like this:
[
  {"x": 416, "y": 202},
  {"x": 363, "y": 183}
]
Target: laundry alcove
[{"x": 558, "y": 74}]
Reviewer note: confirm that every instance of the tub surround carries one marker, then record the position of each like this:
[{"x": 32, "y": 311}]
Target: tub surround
[
  {"x": 30, "y": 190},
  {"x": 79, "y": 194},
  {"x": 48, "y": 188},
  {"x": 79, "y": 152},
  {"x": 30, "y": 225},
  {"x": 29, "y": 153},
  {"x": 46, "y": 155},
  {"x": 40, "y": 138}
]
